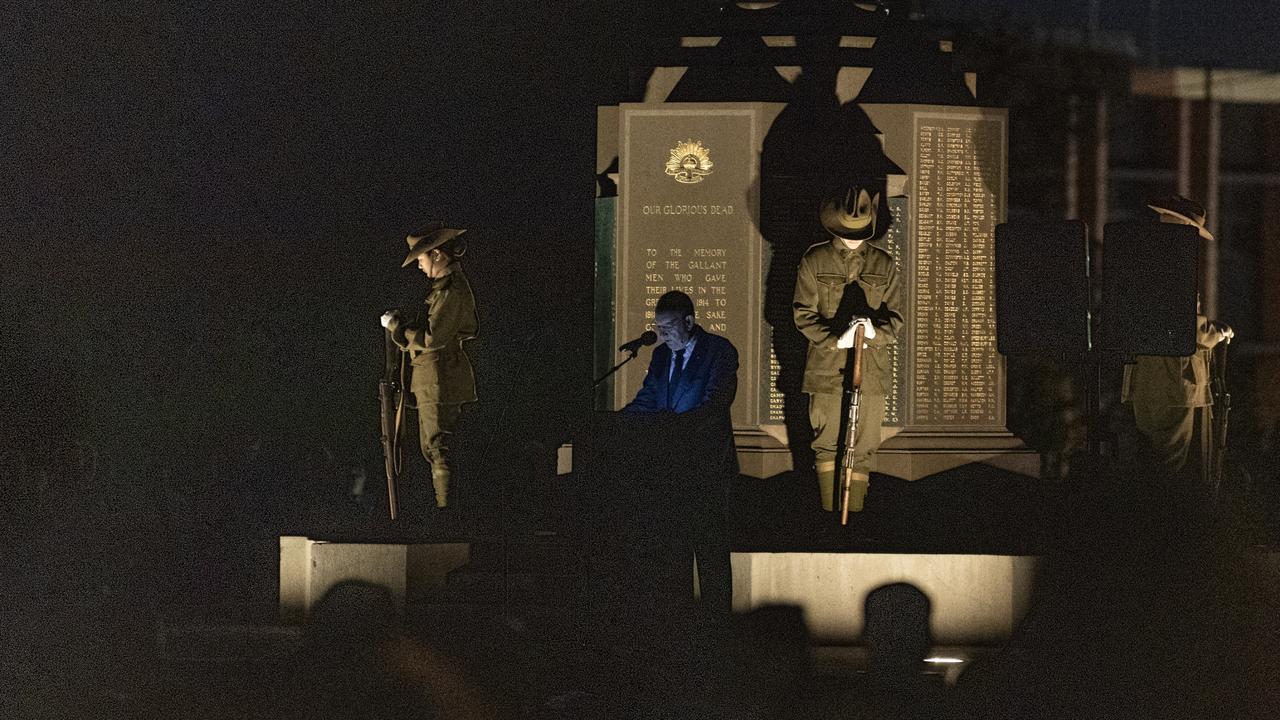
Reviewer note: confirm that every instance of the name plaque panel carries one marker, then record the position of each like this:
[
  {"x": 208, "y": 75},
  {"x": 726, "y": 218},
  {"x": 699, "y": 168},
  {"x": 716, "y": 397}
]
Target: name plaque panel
[
  {"x": 775, "y": 412},
  {"x": 952, "y": 376},
  {"x": 895, "y": 241},
  {"x": 954, "y": 327},
  {"x": 686, "y": 220}
]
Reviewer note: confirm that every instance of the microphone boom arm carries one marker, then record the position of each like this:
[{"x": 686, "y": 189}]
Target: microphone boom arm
[{"x": 631, "y": 355}]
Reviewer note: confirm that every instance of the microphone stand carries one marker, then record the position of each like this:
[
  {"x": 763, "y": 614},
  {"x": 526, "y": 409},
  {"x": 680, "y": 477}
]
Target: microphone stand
[{"x": 631, "y": 355}]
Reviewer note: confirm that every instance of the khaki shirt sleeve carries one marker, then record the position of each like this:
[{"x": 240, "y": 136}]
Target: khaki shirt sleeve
[
  {"x": 444, "y": 319},
  {"x": 399, "y": 328},
  {"x": 804, "y": 309}
]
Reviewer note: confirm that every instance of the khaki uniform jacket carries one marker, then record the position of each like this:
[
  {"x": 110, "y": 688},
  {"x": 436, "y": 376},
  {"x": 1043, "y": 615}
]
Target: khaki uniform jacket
[
  {"x": 441, "y": 369},
  {"x": 822, "y": 312},
  {"x": 1163, "y": 381}
]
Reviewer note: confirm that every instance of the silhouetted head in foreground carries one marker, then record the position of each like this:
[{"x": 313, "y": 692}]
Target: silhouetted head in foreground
[{"x": 897, "y": 628}]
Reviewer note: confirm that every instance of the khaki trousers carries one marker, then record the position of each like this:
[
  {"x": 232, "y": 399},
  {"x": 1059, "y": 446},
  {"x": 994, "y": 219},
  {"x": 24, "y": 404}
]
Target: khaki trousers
[
  {"x": 828, "y": 416},
  {"x": 1173, "y": 431},
  {"x": 436, "y": 422}
]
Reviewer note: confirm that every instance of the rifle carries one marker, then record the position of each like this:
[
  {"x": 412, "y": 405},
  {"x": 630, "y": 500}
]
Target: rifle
[
  {"x": 855, "y": 399},
  {"x": 391, "y": 398},
  {"x": 1221, "y": 414}
]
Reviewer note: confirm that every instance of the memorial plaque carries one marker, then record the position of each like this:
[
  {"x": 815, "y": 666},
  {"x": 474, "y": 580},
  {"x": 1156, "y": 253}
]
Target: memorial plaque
[
  {"x": 953, "y": 377},
  {"x": 956, "y": 212},
  {"x": 895, "y": 241},
  {"x": 686, "y": 220},
  {"x": 774, "y": 413}
]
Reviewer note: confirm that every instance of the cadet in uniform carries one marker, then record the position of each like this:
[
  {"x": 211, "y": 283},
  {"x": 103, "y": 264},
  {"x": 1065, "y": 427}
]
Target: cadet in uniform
[
  {"x": 1170, "y": 395},
  {"x": 841, "y": 284},
  {"x": 442, "y": 376}
]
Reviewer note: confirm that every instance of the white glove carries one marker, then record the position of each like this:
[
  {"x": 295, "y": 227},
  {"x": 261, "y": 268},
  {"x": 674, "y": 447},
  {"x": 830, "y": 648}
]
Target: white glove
[
  {"x": 870, "y": 332},
  {"x": 387, "y": 317},
  {"x": 846, "y": 340}
]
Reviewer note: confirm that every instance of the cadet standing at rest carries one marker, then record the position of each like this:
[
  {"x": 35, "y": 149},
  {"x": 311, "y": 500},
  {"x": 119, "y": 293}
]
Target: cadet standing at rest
[
  {"x": 443, "y": 379},
  {"x": 1170, "y": 395},
  {"x": 843, "y": 283}
]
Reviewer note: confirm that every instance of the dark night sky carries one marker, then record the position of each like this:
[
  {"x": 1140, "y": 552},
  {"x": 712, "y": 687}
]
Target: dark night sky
[{"x": 206, "y": 202}]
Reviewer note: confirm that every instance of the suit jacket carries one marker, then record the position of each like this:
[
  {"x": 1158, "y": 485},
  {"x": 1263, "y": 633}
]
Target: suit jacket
[
  {"x": 442, "y": 371},
  {"x": 827, "y": 297},
  {"x": 710, "y": 378},
  {"x": 703, "y": 396}
]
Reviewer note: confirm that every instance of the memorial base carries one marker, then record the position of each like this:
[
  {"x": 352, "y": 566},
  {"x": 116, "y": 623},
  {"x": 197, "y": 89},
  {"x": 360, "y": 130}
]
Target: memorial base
[
  {"x": 309, "y": 569},
  {"x": 914, "y": 454},
  {"x": 763, "y": 453},
  {"x": 976, "y": 599}
]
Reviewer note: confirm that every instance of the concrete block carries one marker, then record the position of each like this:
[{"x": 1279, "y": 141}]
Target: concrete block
[
  {"x": 310, "y": 568},
  {"x": 977, "y": 599}
]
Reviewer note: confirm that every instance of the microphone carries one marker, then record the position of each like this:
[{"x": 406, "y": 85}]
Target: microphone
[{"x": 633, "y": 346}]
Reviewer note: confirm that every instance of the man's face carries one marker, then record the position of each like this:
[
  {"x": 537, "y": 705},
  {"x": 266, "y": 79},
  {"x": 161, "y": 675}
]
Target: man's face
[{"x": 673, "y": 330}]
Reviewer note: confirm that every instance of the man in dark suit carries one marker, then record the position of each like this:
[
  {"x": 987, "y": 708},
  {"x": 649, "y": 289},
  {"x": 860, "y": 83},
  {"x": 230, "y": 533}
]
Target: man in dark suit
[{"x": 692, "y": 378}]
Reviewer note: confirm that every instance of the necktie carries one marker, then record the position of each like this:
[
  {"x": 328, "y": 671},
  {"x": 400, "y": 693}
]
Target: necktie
[{"x": 676, "y": 372}]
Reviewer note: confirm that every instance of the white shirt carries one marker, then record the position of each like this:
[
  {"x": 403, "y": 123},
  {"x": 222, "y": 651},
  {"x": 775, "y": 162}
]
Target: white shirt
[{"x": 688, "y": 353}]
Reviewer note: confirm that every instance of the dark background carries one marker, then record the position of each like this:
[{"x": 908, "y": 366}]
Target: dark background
[{"x": 211, "y": 204}]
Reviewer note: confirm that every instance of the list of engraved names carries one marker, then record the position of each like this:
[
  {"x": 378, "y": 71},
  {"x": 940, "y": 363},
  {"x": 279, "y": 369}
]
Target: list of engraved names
[
  {"x": 958, "y": 175},
  {"x": 894, "y": 242}
]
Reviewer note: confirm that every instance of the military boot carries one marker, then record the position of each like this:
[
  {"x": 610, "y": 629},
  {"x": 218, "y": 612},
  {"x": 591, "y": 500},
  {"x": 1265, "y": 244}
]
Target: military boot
[
  {"x": 858, "y": 486},
  {"x": 440, "y": 480},
  {"x": 826, "y": 471}
]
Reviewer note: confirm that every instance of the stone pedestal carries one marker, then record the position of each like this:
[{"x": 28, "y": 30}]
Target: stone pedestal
[
  {"x": 914, "y": 455},
  {"x": 763, "y": 453},
  {"x": 977, "y": 599},
  {"x": 311, "y": 568}
]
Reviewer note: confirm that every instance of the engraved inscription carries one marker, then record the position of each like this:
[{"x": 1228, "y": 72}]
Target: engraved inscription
[
  {"x": 894, "y": 242},
  {"x": 958, "y": 164},
  {"x": 695, "y": 237},
  {"x": 702, "y": 273}
]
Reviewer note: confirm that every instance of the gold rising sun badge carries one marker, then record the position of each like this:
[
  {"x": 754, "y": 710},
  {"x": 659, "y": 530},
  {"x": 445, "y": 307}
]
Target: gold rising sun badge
[{"x": 689, "y": 162}]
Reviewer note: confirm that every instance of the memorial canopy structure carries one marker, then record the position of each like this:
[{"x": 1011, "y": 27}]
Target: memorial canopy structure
[{"x": 710, "y": 183}]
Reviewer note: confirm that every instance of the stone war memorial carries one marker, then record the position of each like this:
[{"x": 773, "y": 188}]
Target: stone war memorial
[
  {"x": 710, "y": 184},
  {"x": 729, "y": 231}
]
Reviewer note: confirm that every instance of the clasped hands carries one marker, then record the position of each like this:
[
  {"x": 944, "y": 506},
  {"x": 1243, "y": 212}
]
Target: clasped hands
[{"x": 845, "y": 341}]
